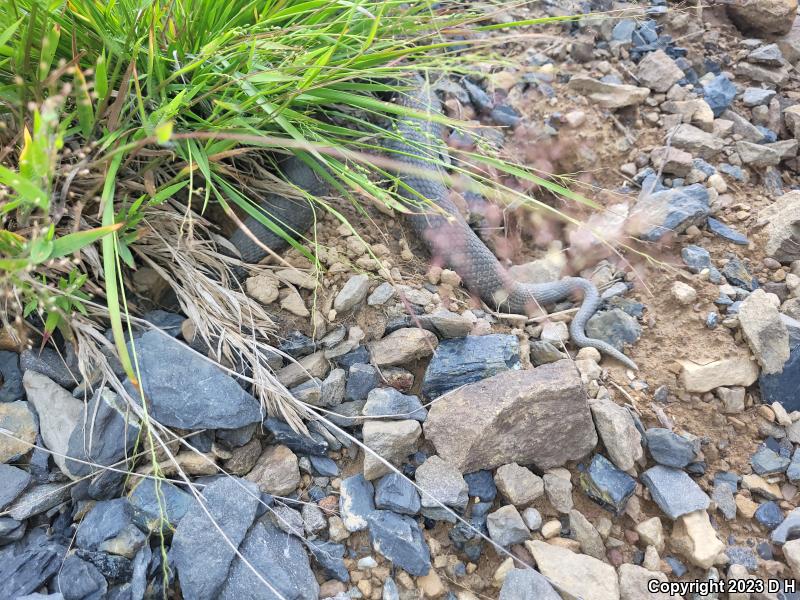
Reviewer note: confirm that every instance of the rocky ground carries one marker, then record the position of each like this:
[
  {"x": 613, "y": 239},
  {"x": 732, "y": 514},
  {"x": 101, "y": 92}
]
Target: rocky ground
[{"x": 504, "y": 463}]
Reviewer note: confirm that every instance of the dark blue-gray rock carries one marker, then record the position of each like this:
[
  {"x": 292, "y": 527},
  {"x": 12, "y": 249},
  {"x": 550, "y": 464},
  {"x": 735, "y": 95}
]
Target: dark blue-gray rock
[
  {"x": 737, "y": 274},
  {"x": 168, "y": 322},
  {"x": 11, "y": 376},
  {"x": 668, "y": 448},
  {"x": 361, "y": 380},
  {"x": 13, "y": 482},
  {"x": 11, "y": 530},
  {"x": 480, "y": 99},
  {"x": 80, "y": 580},
  {"x": 324, "y": 466},
  {"x": 297, "y": 345},
  {"x": 202, "y": 556},
  {"x": 105, "y": 435},
  {"x": 769, "y": 514},
  {"x": 789, "y": 528},
  {"x": 506, "y": 526},
  {"x": 389, "y": 403},
  {"x": 281, "y": 564},
  {"x": 757, "y": 97},
  {"x": 399, "y": 539},
  {"x": 330, "y": 557},
  {"x": 527, "y": 584},
  {"x": 793, "y": 471},
  {"x": 480, "y": 484},
  {"x": 38, "y": 499},
  {"x": 236, "y": 438},
  {"x": 712, "y": 320},
  {"x": 768, "y": 462},
  {"x": 115, "y": 569},
  {"x": 674, "y": 491},
  {"x": 623, "y": 30},
  {"x": 505, "y": 116},
  {"x": 48, "y": 362},
  {"x": 390, "y": 591},
  {"x": 607, "y": 485},
  {"x": 187, "y": 391},
  {"x": 105, "y": 521},
  {"x": 28, "y": 564},
  {"x": 396, "y": 493},
  {"x": 742, "y": 555},
  {"x": 295, "y": 441},
  {"x": 782, "y": 387},
  {"x": 670, "y": 211},
  {"x": 719, "y": 93},
  {"x": 158, "y": 505},
  {"x": 38, "y": 596},
  {"x": 469, "y": 359},
  {"x": 678, "y": 568},
  {"x": 723, "y": 497},
  {"x": 728, "y": 477},
  {"x": 728, "y": 233},
  {"x": 358, "y": 355},
  {"x": 356, "y": 502},
  {"x": 615, "y": 327}
]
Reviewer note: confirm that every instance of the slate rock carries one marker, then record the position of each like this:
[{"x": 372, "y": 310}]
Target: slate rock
[
  {"x": 295, "y": 441},
  {"x": 202, "y": 557},
  {"x": 469, "y": 359},
  {"x": 279, "y": 559},
  {"x": 48, "y": 362},
  {"x": 737, "y": 274},
  {"x": 186, "y": 391},
  {"x": 389, "y": 403},
  {"x": 324, "y": 466},
  {"x": 614, "y": 327},
  {"x": 11, "y": 376},
  {"x": 607, "y": 485},
  {"x": 12, "y": 483},
  {"x": 668, "y": 448},
  {"x": 670, "y": 211},
  {"x": 356, "y": 502},
  {"x": 534, "y": 417},
  {"x": 768, "y": 462},
  {"x": 788, "y": 529},
  {"x": 769, "y": 514},
  {"x": 526, "y": 584},
  {"x": 28, "y": 564},
  {"x": 674, "y": 491},
  {"x": 330, "y": 557},
  {"x": 782, "y": 387},
  {"x": 361, "y": 380},
  {"x": 399, "y": 539},
  {"x": 506, "y": 526},
  {"x": 742, "y": 555},
  {"x": 442, "y": 483},
  {"x": 719, "y": 94},
  {"x": 38, "y": 499},
  {"x": 723, "y": 497},
  {"x": 158, "y": 504},
  {"x": 481, "y": 485},
  {"x": 395, "y": 493},
  {"x": 719, "y": 228},
  {"x": 297, "y": 345},
  {"x": 106, "y": 520},
  {"x": 80, "y": 580},
  {"x": 793, "y": 471}
]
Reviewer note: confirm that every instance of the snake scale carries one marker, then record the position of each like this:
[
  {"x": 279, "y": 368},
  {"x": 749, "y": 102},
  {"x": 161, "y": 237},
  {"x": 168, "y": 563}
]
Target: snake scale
[{"x": 446, "y": 233}]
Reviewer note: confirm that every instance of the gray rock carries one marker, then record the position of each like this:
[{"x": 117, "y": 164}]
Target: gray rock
[
  {"x": 737, "y": 274},
  {"x": 388, "y": 403},
  {"x": 333, "y": 388},
  {"x": 518, "y": 484},
  {"x": 527, "y": 584},
  {"x": 764, "y": 331},
  {"x": 782, "y": 387},
  {"x": 324, "y": 466},
  {"x": 608, "y": 95},
  {"x": 49, "y": 363},
  {"x": 443, "y": 483},
  {"x": 399, "y": 539},
  {"x": 466, "y": 360},
  {"x": 299, "y": 442},
  {"x": 281, "y": 565},
  {"x": 12, "y": 483},
  {"x": 391, "y": 440},
  {"x": 558, "y": 489},
  {"x": 11, "y": 530},
  {"x": 78, "y": 579},
  {"x": 390, "y": 591},
  {"x": 16, "y": 418},
  {"x": 361, "y": 380},
  {"x": 28, "y": 564},
  {"x": 793, "y": 472},
  {"x": 670, "y": 211},
  {"x": 668, "y": 448},
  {"x": 757, "y": 97},
  {"x": 38, "y": 499},
  {"x": 330, "y": 557},
  {"x": 615, "y": 327},
  {"x": 719, "y": 228},
  {"x": 757, "y": 155},
  {"x": 634, "y": 580},
  {"x": 11, "y": 376},
  {"x": 532, "y": 518},
  {"x": 618, "y": 432},
  {"x": 658, "y": 71},
  {"x": 356, "y": 502},
  {"x": 381, "y": 294},
  {"x": 607, "y": 485},
  {"x": 719, "y": 93},
  {"x": 782, "y": 226},
  {"x": 352, "y": 293},
  {"x": 186, "y": 391},
  {"x": 788, "y": 529},
  {"x": 696, "y": 141},
  {"x": 314, "y": 519},
  {"x": 769, "y": 54},
  {"x": 287, "y": 519},
  {"x": 587, "y": 535},
  {"x": 506, "y": 526},
  {"x": 59, "y": 415},
  {"x": 722, "y": 495},
  {"x": 202, "y": 556},
  {"x": 674, "y": 491},
  {"x": 447, "y": 324},
  {"x": 105, "y": 521},
  {"x": 543, "y": 353},
  {"x": 539, "y": 417},
  {"x": 768, "y": 462},
  {"x": 394, "y": 492},
  {"x": 158, "y": 504}
]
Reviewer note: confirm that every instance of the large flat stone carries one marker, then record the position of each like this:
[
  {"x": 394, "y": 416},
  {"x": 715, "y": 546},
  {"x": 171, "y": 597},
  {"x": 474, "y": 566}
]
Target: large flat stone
[
  {"x": 575, "y": 574},
  {"x": 738, "y": 370},
  {"x": 539, "y": 416}
]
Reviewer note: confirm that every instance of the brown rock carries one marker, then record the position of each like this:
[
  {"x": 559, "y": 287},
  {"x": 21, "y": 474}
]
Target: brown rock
[
  {"x": 403, "y": 346},
  {"x": 17, "y": 419},
  {"x": 763, "y": 17},
  {"x": 313, "y": 365},
  {"x": 539, "y": 416},
  {"x": 276, "y": 472}
]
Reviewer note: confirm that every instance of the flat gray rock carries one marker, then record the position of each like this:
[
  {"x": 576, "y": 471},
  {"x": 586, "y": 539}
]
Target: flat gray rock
[
  {"x": 674, "y": 491},
  {"x": 12, "y": 482},
  {"x": 202, "y": 555},
  {"x": 184, "y": 390},
  {"x": 527, "y": 584}
]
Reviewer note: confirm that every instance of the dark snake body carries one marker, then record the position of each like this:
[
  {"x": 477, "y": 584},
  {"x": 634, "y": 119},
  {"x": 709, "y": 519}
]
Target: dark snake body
[{"x": 435, "y": 219}]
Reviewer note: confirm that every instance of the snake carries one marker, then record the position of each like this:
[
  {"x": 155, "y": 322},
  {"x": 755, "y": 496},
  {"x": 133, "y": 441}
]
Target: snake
[{"x": 433, "y": 217}]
